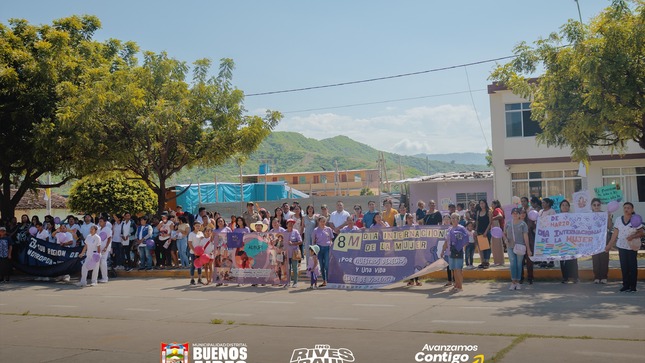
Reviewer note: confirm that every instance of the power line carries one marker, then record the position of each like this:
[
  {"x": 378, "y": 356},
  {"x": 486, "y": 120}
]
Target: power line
[
  {"x": 472, "y": 99},
  {"x": 380, "y": 78},
  {"x": 384, "y": 101}
]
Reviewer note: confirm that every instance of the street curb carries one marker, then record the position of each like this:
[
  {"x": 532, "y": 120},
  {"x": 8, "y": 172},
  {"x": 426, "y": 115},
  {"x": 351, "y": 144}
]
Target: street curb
[{"x": 488, "y": 274}]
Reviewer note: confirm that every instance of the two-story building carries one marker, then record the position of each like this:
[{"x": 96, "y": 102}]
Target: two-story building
[
  {"x": 524, "y": 168},
  {"x": 324, "y": 183}
]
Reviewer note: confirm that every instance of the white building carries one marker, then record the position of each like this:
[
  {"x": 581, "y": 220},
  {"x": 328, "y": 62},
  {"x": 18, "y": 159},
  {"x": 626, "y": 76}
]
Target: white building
[{"x": 524, "y": 168}]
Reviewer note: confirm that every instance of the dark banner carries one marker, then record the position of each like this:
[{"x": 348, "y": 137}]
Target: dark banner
[
  {"x": 43, "y": 258},
  {"x": 376, "y": 258}
]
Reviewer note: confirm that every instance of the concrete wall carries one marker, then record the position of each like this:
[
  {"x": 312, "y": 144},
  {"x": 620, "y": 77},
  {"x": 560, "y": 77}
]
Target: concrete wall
[{"x": 447, "y": 189}]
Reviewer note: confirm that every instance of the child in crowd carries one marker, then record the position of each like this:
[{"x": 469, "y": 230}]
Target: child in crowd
[
  {"x": 312, "y": 266},
  {"x": 470, "y": 247}
]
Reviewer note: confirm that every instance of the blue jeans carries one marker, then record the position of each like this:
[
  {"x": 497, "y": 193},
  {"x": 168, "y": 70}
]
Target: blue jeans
[
  {"x": 182, "y": 247},
  {"x": 323, "y": 259},
  {"x": 516, "y": 264},
  {"x": 192, "y": 267},
  {"x": 293, "y": 269},
  {"x": 145, "y": 258},
  {"x": 470, "y": 254}
]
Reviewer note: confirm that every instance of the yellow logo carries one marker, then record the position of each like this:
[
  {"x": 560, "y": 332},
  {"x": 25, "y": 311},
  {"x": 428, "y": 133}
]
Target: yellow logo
[{"x": 478, "y": 358}]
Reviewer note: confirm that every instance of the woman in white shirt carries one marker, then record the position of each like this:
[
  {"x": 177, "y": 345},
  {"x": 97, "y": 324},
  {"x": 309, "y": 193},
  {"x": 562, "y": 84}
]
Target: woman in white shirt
[
  {"x": 627, "y": 238},
  {"x": 92, "y": 246}
]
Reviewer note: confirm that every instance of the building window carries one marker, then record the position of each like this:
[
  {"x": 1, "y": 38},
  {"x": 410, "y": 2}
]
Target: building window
[
  {"x": 357, "y": 178},
  {"x": 323, "y": 179},
  {"x": 294, "y": 180},
  {"x": 303, "y": 180},
  {"x": 467, "y": 197},
  {"x": 343, "y": 178},
  {"x": 519, "y": 122},
  {"x": 630, "y": 180},
  {"x": 546, "y": 183},
  {"x": 316, "y": 179}
]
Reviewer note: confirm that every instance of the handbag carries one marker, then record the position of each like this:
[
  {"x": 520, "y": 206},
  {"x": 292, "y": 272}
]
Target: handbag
[
  {"x": 455, "y": 253},
  {"x": 296, "y": 255},
  {"x": 518, "y": 249}
]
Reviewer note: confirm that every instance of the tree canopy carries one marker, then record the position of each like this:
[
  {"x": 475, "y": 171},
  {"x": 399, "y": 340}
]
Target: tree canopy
[
  {"x": 159, "y": 122},
  {"x": 112, "y": 193},
  {"x": 592, "y": 90},
  {"x": 37, "y": 65}
]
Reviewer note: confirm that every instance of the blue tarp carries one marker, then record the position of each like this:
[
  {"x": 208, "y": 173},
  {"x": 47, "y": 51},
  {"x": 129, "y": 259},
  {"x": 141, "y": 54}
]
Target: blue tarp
[{"x": 228, "y": 192}]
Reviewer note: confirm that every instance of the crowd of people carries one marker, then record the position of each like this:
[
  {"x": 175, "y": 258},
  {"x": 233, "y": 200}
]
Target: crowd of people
[{"x": 170, "y": 240}]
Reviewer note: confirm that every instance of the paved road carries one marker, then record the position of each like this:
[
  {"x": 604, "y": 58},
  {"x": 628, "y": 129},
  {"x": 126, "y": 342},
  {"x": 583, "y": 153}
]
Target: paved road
[{"x": 127, "y": 319}]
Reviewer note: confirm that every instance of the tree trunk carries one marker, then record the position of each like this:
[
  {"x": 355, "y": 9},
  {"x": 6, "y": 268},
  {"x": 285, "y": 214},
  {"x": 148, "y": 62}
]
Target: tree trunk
[
  {"x": 161, "y": 196},
  {"x": 7, "y": 208}
]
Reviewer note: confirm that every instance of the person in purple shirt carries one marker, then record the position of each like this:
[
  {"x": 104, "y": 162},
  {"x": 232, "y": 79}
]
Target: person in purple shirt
[
  {"x": 323, "y": 238},
  {"x": 240, "y": 226},
  {"x": 295, "y": 240},
  {"x": 349, "y": 225}
]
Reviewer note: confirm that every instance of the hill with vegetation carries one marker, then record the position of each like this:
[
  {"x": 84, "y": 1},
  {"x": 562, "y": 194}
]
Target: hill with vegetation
[{"x": 292, "y": 152}]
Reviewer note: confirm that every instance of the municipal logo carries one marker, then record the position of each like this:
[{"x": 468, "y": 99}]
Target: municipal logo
[{"x": 174, "y": 353}]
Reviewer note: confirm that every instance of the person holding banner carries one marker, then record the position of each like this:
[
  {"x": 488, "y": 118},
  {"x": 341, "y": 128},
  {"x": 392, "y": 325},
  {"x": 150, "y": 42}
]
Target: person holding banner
[
  {"x": 323, "y": 238},
  {"x": 626, "y": 237},
  {"x": 569, "y": 268},
  {"x": 92, "y": 246},
  {"x": 547, "y": 210},
  {"x": 601, "y": 260},
  {"x": 517, "y": 237}
]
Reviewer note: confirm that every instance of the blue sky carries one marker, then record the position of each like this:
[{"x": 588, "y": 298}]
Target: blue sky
[{"x": 280, "y": 45}]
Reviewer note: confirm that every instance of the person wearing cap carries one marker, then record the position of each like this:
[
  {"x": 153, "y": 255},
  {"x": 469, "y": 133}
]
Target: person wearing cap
[
  {"x": 250, "y": 215},
  {"x": 516, "y": 233},
  {"x": 295, "y": 241},
  {"x": 313, "y": 267},
  {"x": 6, "y": 244}
]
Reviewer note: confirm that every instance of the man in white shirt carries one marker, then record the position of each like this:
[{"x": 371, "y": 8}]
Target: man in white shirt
[
  {"x": 338, "y": 218},
  {"x": 87, "y": 224},
  {"x": 106, "y": 246},
  {"x": 288, "y": 214},
  {"x": 128, "y": 228}
]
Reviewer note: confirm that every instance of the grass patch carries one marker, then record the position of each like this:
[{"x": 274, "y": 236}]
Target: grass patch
[
  {"x": 499, "y": 355},
  {"x": 25, "y": 313},
  {"x": 217, "y": 321},
  {"x": 230, "y": 322}
]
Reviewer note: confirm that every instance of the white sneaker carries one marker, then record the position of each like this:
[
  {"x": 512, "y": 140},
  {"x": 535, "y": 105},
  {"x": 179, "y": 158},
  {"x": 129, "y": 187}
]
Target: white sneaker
[
  {"x": 603, "y": 281},
  {"x": 596, "y": 281},
  {"x": 294, "y": 285},
  {"x": 38, "y": 279},
  {"x": 80, "y": 284},
  {"x": 518, "y": 287},
  {"x": 103, "y": 281},
  {"x": 512, "y": 287},
  {"x": 93, "y": 284},
  {"x": 67, "y": 278}
]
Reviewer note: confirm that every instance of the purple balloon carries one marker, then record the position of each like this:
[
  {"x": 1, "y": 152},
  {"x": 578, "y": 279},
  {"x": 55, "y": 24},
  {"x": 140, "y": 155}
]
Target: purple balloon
[
  {"x": 103, "y": 236},
  {"x": 496, "y": 232},
  {"x": 612, "y": 206},
  {"x": 57, "y": 220},
  {"x": 533, "y": 215},
  {"x": 150, "y": 244},
  {"x": 92, "y": 262},
  {"x": 636, "y": 221},
  {"x": 33, "y": 231}
]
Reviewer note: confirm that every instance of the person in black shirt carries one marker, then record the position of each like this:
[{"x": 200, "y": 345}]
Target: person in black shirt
[{"x": 433, "y": 216}]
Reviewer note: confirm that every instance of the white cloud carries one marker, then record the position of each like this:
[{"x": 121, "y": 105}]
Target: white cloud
[{"x": 441, "y": 129}]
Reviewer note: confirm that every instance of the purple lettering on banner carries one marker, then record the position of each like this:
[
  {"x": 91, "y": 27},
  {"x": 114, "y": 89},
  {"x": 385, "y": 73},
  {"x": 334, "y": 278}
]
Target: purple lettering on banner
[{"x": 378, "y": 257}]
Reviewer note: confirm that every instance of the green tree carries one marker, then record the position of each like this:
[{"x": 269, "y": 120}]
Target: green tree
[
  {"x": 163, "y": 123},
  {"x": 592, "y": 91},
  {"x": 489, "y": 158},
  {"x": 38, "y": 64},
  {"x": 112, "y": 193}
]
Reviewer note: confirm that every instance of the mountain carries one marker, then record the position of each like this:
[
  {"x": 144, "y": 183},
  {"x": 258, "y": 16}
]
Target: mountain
[
  {"x": 458, "y": 158},
  {"x": 291, "y": 151}
]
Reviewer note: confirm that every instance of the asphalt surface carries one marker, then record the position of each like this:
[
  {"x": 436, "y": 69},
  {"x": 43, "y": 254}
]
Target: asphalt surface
[{"x": 127, "y": 319}]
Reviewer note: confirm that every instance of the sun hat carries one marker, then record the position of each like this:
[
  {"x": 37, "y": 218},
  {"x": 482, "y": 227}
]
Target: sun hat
[
  {"x": 259, "y": 223},
  {"x": 315, "y": 248}
]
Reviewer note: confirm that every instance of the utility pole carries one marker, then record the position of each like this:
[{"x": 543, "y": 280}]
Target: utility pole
[
  {"x": 579, "y": 13},
  {"x": 336, "y": 179}
]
